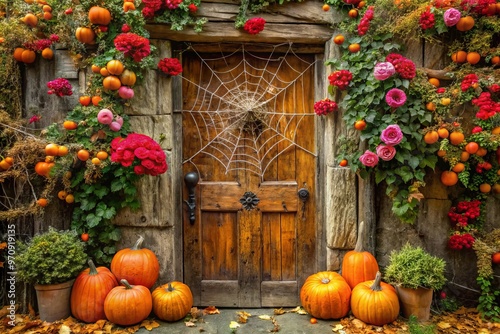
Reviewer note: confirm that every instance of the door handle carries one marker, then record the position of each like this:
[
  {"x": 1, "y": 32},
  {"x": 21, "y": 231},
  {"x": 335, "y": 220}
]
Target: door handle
[{"x": 191, "y": 179}]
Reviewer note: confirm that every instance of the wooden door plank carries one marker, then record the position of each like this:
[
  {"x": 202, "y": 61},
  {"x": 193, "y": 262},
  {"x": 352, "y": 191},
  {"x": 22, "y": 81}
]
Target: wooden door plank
[
  {"x": 220, "y": 196},
  {"x": 276, "y": 251},
  {"x": 278, "y": 196},
  {"x": 266, "y": 246},
  {"x": 219, "y": 246},
  {"x": 288, "y": 247},
  {"x": 219, "y": 293},
  {"x": 279, "y": 294}
]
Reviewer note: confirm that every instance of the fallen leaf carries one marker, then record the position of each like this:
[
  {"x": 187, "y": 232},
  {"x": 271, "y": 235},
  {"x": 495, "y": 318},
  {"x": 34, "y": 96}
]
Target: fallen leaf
[
  {"x": 279, "y": 311},
  {"x": 358, "y": 323},
  {"x": 265, "y": 317},
  {"x": 64, "y": 330},
  {"x": 149, "y": 324},
  {"x": 234, "y": 325},
  {"x": 1, "y": 264},
  {"x": 3, "y": 245},
  {"x": 243, "y": 317},
  {"x": 443, "y": 325},
  {"x": 31, "y": 310},
  {"x": 3, "y": 312},
  {"x": 190, "y": 324},
  {"x": 298, "y": 310},
  {"x": 337, "y": 328},
  {"x": 211, "y": 310}
]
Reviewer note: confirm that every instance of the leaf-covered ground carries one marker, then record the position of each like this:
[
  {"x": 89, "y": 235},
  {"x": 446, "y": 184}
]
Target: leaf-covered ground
[{"x": 464, "y": 320}]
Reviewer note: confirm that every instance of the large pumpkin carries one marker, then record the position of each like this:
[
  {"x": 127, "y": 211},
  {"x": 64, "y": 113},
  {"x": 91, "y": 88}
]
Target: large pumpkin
[
  {"x": 89, "y": 292},
  {"x": 111, "y": 82},
  {"x": 99, "y": 15},
  {"x": 375, "y": 302},
  {"x": 128, "y": 78},
  {"x": 137, "y": 265},
  {"x": 326, "y": 295},
  {"x": 172, "y": 301},
  {"x": 128, "y": 304},
  {"x": 358, "y": 265}
]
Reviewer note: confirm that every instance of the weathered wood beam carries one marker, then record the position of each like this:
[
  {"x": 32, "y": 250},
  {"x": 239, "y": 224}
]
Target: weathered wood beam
[{"x": 225, "y": 32}]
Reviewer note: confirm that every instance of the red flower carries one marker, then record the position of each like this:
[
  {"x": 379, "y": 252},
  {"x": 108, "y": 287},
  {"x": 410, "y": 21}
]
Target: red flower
[
  {"x": 364, "y": 23},
  {"x": 140, "y": 151},
  {"x": 341, "y": 79},
  {"x": 133, "y": 45},
  {"x": 192, "y": 8},
  {"x": 325, "y": 106},
  {"x": 255, "y": 25},
  {"x": 468, "y": 81},
  {"x": 172, "y": 4},
  {"x": 60, "y": 87},
  {"x": 170, "y": 66},
  {"x": 427, "y": 20},
  {"x": 35, "y": 118},
  {"x": 460, "y": 241}
]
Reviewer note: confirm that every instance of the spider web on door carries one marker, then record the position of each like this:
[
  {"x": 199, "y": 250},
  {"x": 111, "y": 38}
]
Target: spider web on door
[{"x": 246, "y": 114}]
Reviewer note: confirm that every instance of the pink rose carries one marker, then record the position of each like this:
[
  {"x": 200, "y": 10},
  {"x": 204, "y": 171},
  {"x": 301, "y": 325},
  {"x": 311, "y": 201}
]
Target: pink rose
[
  {"x": 395, "y": 98},
  {"x": 451, "y": 17},
  {"x": 386, "y": 152},
  {"x": 383, "y": 70},
  {"x": 391, "y": 135},
  {"x": 369, "y": 159}
]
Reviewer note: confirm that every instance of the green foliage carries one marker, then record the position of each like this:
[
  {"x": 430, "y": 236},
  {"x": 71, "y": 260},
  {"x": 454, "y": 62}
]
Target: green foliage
[
  {"x": 50, "y": 258},
  {"x": 488, "y": 301},
  {"x": 412, "y": 267},
  {"x": 415, "y": 327},
  {"x": 248, "y": 7}
]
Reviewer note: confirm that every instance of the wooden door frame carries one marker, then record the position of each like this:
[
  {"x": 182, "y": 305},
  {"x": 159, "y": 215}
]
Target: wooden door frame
[{"x": 321, "y": 151}]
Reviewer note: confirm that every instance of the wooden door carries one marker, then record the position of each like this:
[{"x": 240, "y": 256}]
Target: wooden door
[{"x": 249, "y": 134}]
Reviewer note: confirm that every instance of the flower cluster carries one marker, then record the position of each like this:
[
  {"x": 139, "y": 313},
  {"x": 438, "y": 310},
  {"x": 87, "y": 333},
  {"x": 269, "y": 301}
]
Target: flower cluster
[
  {"x": 427, "y": 20},
  {"x": 170, "y": 66},
  {"x": 459, "y": 241},
  {"x": 477, "y": 6},
  {"x": 325, "y": 107},
  {"x": 133, "y": 45},
  {"x": 404, "y": 67},
  {"x": 172, "y": 4},
  {"x": 390, "y": 136},
  {"x": 40, "y": 44},
  {"x": 364, "y": 23},
  {"x": 60, "y": 87},
  {"x": 141, "y": 151},
  {"x": 468, "y": 81},
  {"x": 340, "y": 79},
  {"x": 465, "y": 211},
  {"x": 487, "y": 107},
  {"x": 254, "y": 25},
  {"x": 150, "y": 7}
]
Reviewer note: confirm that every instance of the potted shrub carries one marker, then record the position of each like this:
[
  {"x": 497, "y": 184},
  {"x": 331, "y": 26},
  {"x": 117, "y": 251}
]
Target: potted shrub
[
  {"x": 416, "y": 274},
  {"x": 51, "y": 261}
]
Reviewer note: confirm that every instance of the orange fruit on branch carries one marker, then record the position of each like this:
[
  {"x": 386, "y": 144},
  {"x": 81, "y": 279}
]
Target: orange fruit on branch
[
  {"x": 431, "y": 137},
  {"x": 456, "y": 137},
  {"x": 449, "y": 178}
]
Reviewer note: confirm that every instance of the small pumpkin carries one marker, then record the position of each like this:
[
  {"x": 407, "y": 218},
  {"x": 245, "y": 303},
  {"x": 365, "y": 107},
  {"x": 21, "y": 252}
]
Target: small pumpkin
[
  {"x": 137, "y": 265},
  {"x": 99, "y": 15},
  {"x": 172, "y": 301},
  {"x": 18, "y": 54},
  {"x": 128, "y": 78},
  {"x": 326, "y": 295},
  {"x": 375, "y": 302},
  {"x": 115, "y": 67},
  {"x": 85, "y": 35},
  {"x": 128, "y": 304},
  {"x": 28, "y": 56},
  {"x": 359, "y": 265},
  {"x": 89, "y": 292},
  {"x": 111, "y": 82}
]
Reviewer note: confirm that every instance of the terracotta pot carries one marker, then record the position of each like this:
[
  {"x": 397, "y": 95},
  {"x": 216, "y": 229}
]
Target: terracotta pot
[
  {"x": 415, "y": 302},
  {"x": 54, "y": 300}
]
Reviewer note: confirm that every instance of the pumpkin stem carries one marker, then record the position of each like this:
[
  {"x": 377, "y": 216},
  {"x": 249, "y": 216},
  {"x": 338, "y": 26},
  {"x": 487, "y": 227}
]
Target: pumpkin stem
[
  {"x": 126, "y": 283},
  {"x": 170, "y": 288},
  {"x": 361, "y": 237},
  {"x": 325, "y": 280},
  {"x": 93, "y": 269},
  {"x": 138, "y": 243},
  {"x": 376, "y": 284}
]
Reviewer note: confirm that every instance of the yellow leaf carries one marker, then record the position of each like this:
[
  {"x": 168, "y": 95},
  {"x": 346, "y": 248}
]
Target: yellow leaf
[
  {"x": 443, "y": 325},
  {"x": 211, "y": 310},
  {"x": 264, "y": 317},
  {"x": 150, "y": 324},
  {"x": 234, "y": 325},
  {"x": 337, "y": 328},
  {"x": 64, "y": 330},
  {"x": 190, "y": 324},
  {"x": 279, "y": 311}
]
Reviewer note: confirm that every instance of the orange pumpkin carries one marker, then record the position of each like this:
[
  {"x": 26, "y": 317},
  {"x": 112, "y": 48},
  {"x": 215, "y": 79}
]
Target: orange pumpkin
[
  {"x": 89, "y": 292},
  {"x": 449, "y": 178},
  {"x": 375, "y": 302},
  {"x": 128, "y": 78},
  {"x": 326, "y": 295},
  {"x": 30, "y": 20},
  {"x": 111, "y": 82},
  {"x": 128, "y": 304},
  {"x": 465, "y": 23},
  {"x": 358, "y": 265},
  {"x": 47, "y": 53},
  {"x": 85, "y": 35},
  {"x": 28, "y": 56},
  {"x": 99, "y": 15},
  {"x": 137, "y": 265},
  {"x": 456, "y": 137},
  {"x": 18, "y": 54},
  {"x": 115, "y": 67},
  {"x": 172, "y": 301}
]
